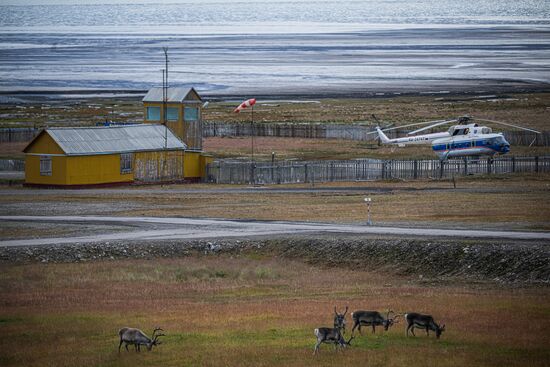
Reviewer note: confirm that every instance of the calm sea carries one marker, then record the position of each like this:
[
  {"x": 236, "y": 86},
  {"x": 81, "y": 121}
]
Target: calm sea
[{"x": 232, "y": 47}]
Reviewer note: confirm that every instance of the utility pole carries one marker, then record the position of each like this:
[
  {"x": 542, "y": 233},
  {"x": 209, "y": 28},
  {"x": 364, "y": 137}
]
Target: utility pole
[{"x": 165, "y": 110}]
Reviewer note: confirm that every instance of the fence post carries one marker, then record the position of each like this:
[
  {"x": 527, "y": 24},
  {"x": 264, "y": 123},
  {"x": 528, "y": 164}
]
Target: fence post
[
  {"x": 513, "y": 164},
  {"x": 272, "y": 164},
  {"x": 465, "y": 166},
  {"x": 415, "y": 173},
  {"x": 489, "y": 165},
  {"x": 537, "y": 164},
  {"x": 305, "y": 173},
  {"x": 383, "y": 170},
  {"x": 441, "y": 169}
]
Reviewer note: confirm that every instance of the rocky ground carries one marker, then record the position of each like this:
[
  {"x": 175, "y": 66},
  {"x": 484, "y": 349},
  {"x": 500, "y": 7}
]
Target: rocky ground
[{"x": 507, "y": 262}]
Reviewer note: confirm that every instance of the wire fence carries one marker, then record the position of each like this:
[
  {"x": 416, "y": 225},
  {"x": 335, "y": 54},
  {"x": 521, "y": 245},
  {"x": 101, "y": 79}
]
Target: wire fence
[
  {"x": 341, "y": 131},
  {"x": 232, "y": 172}
]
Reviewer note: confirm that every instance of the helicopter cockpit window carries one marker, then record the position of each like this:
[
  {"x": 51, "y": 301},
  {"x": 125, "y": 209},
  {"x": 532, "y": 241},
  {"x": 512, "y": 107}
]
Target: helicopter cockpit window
[
  {"x": 456, "y": 132},
  {"x": 486, "y": 130}
]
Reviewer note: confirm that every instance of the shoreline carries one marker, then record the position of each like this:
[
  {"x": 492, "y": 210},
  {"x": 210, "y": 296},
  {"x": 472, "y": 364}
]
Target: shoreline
[{"x": 308, "y": 93}]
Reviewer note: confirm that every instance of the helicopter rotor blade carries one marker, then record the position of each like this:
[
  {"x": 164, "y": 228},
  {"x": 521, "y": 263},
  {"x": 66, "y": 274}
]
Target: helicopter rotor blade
[
  {"x": 431, "y": 126},
  {"x": 408, "y": 125},
  {"x": 506, "y": 124}
]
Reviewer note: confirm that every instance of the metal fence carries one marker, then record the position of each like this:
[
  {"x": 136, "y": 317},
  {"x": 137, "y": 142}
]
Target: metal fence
[
  {"x": 232, "y": 172},
  {"x": 17, "y": 134},
  {"x": 304, "y": 130},
  {"x": 340, "y": 131},
  {"x": 12, "y": 164}
]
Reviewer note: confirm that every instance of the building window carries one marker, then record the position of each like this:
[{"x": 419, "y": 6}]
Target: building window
[
  {"x": 191, "y": 114},
  {"x": 153, "y": 113},
  {"x": 125, "y": 163},
  {"x": 172, "y": 114},
  {"x": 45, "y": 165}
]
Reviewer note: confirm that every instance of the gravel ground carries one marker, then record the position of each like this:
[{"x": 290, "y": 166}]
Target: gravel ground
[{"x": 507, "y": 262}]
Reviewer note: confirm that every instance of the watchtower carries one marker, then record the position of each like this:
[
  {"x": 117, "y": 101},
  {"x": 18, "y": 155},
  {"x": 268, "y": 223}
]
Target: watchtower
[{"x": 183, "y": 110}]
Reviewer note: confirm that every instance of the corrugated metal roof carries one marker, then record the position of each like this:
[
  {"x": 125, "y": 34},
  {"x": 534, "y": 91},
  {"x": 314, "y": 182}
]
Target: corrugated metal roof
[
  {"x": 114, "y": 139},
  {"x": 175, "y": 94}
]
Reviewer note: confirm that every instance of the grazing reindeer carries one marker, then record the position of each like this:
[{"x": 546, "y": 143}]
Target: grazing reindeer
[
  {"x": 340, "y": 319},
  {"x": 330, "y": 336},
  {"x": 137, "y": 338},
  {"x": 426, "y": 322},
  {"x": 372, "y": 318}
]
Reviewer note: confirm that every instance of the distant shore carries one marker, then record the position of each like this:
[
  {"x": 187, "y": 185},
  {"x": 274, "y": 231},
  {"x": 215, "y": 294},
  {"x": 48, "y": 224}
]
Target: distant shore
[{"x": 503, "y": 87}]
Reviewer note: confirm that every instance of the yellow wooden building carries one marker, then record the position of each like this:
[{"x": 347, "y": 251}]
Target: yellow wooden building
[
  {"x": 109, "y": 155},
  {"x": 148, "y": 152}
]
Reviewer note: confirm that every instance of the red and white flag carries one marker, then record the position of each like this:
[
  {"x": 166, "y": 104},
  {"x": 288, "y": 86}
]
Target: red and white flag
[{"x": 245, "y": 104}]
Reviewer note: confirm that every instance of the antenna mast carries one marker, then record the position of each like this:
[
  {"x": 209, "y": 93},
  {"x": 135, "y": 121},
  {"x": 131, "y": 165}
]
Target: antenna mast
[{"x": 165, "y": 96}]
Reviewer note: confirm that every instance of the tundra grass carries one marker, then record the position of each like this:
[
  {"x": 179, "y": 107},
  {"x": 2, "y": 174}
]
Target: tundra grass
[
  {"x": 328, "y": 149},
  {"x": 528, "y": 109},
  {"x": 223, "y": 311},
  {"x": 511, "y": 202}
]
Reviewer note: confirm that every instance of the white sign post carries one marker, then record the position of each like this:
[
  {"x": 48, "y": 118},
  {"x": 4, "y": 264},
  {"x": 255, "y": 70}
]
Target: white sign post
[{"x": 368, "y": 201}]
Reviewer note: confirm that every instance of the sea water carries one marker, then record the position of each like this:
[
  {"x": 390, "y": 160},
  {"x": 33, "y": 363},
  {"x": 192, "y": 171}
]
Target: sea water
[{"x": 275, "y": 47}]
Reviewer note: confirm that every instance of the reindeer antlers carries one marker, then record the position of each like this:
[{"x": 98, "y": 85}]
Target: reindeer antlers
[
  {"x": 156, "y": 336},
  {"x": 154, "y": 332},
  {"x": 345, "y": 312}
]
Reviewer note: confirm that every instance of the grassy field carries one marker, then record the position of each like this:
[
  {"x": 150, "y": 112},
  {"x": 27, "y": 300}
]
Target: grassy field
[
  {"x": 527, "y": 109},
  {"x": 243, "y": 311},
  {"x": 302, "y": 149},
  {"x": 334, "y": 149},
  {"x": 509, "y": 202}
]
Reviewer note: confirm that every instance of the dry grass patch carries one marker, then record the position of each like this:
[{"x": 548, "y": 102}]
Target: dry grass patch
[
  {"x": 521, "y": 201},
  {"x": 327, "y": 149}
]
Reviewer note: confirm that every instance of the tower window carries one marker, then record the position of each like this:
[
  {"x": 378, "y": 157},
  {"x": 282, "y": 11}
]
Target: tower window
[
  {"x": 172, "y": 114},
  {"x": 153, "y": 113},
  {"x": 191, "y": 114}
]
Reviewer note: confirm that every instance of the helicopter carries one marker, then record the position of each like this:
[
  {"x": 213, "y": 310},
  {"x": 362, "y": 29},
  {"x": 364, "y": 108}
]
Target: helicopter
[{"x": 462, "y": 140}]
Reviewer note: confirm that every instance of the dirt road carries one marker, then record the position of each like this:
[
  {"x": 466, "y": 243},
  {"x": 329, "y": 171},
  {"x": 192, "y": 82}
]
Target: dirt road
[{"x": 188, "y": 228}]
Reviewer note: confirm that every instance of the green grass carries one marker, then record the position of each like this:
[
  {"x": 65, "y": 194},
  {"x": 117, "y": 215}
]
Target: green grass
[{"x": 223, "y": 311}]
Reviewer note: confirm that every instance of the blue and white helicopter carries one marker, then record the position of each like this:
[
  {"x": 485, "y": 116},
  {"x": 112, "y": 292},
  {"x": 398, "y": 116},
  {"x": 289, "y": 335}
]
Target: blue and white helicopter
[{"x": 466, "y": 139}]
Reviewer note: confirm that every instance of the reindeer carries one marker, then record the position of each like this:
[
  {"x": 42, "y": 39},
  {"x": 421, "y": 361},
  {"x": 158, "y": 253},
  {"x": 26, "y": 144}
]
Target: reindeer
[
  {"x": 426, "y": 322},
  {"x": 372, "y": 318},
  {"x": 137, "y": 338},
  {"x": 330, "y": 336},
  {"x": 340, "y": 319},
  {"x": 333, "y": 335}
]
